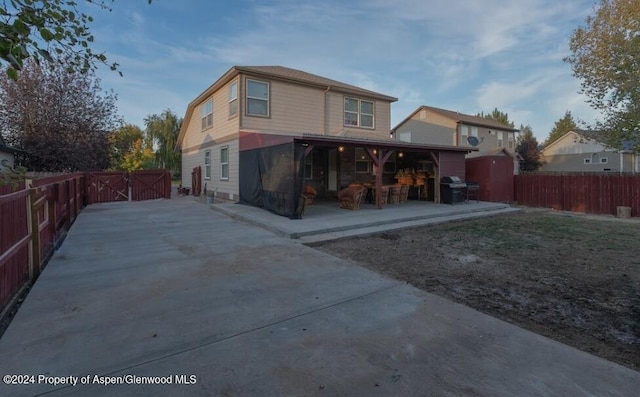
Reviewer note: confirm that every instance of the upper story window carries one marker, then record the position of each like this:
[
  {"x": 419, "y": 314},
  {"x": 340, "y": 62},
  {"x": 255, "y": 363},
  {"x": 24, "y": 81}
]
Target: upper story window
[
  {"x": 464, "y": 130},
  {"x": 257, "y": 98},
  {"x": 474, "y": 131},
  {"x": 206, "y": 113},
  {"x": 359, "y": 113},
  {"x": 500, "y": 136},
  {"x": 233, "y": 98}
]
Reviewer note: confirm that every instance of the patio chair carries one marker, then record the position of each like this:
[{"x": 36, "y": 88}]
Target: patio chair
[
  {"x": 309, "y": 194},
  {"x": 394, "y": 194},
  {"x": 352, "y": 196},
  {"x": 404, "y": 193}
]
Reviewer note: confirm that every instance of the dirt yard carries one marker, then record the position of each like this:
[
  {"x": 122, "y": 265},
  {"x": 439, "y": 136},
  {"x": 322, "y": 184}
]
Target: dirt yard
[{"x": 571, "y": 278}]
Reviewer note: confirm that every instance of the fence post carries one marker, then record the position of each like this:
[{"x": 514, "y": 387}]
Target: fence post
[
  {"x": 67, "y": 188},
  {"x": 34, "y": 231}
]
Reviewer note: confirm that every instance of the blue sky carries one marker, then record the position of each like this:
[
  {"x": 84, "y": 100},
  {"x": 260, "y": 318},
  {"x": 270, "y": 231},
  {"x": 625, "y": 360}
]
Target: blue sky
[{"x": 462, "y": 55}]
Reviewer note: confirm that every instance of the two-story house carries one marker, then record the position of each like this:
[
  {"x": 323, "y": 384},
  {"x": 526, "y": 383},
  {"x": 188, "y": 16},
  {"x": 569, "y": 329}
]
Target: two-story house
[
  {"x": 431, "y": 125},
  {"x": 262, "y": 133},
  {"x": 585, "y": 151}
]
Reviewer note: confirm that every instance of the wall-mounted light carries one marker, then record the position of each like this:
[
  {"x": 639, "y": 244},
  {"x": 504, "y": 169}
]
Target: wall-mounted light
[
  {"x": 341, "y": 148},
  {"x": 400, "y": 154},
  {"x": 375, "y": 151}
]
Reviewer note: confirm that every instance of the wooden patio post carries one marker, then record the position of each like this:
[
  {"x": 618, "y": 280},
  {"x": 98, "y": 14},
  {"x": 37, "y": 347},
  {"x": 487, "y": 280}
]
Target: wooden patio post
[{"x": 378, "y": 161}]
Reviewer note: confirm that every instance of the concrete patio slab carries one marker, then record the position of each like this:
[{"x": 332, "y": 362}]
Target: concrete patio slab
[
  {"x": 168, "y": 288},
  {"x": 326, "y": 220}
]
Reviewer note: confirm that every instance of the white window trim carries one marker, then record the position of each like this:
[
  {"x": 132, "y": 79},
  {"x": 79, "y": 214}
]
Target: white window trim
[
  {"x": 207, "y": 165},
  {"x": 268, "y": 100},
  {"x": 500, "y": 136},
  {"x": 359, "y": 113},
  {"x": 604, "y": 160},
  {"x": 474, "y": 131},
  {"x": 464, "y": 130},
  {"x": 222, "y": 177},
  {"x": 587, "y": 160},
  {"x": 206, "y": 119},
  {"x": 233, "y": 99}
]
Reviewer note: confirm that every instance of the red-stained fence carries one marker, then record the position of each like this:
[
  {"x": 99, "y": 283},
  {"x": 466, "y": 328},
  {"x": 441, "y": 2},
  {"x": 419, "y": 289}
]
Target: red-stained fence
[
  {"x": 150, "y": 185},
  {"x": 588, "y": 193},
  {"x": 33, "y": 220}
]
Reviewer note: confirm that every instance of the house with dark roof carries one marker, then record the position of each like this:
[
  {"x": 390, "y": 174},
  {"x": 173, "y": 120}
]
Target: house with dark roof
[
  {"x": 586, "y": 151},
  {"x": 267, "y": 132},
  {"x": 431, "y": 125},
  {"x": 7, "y": 155}
]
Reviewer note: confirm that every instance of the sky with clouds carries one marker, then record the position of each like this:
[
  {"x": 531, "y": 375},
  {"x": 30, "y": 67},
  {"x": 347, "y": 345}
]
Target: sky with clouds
[{"x": 462, "y": 55}]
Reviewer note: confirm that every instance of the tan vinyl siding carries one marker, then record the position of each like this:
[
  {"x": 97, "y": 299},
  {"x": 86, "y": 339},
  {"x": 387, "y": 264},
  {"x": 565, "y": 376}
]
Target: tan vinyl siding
[
  {"x": 223, "y": 125},
  {"x": 335, "y": 113},
  {"x": 430, "y": 117},
  {"x": 190, "y": 160},
  {"x": 224, "y": 188},
  {"x": 293, "y": 109}
]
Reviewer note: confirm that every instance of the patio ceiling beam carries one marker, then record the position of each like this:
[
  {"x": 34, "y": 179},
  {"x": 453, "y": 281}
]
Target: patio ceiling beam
[
  {"x": 308, "y": 149},
  {"x": 435, "y": 159}
]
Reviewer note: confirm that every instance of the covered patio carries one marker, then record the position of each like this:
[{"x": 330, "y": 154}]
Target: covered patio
[{"x": 275, "y": 170}]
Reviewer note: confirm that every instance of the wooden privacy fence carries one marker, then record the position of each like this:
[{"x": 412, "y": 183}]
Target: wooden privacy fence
[
  {"x": 33, "y": 221},
  {"x": 588, "y": 193}
]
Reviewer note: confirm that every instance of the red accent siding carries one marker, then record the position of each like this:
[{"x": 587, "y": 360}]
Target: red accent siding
[
  {"x": 452, "y": 164},
  {"x": 252, "y": 140},
  {"x": 495, "y": 176}
]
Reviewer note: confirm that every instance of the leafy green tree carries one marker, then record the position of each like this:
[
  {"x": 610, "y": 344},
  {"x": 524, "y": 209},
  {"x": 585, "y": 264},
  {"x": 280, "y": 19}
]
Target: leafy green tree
[
  {"x": 48, "y": 30},
  {"x": 60, "y": 119},
  {"x": 528, "y": 148},
  {"x": 604, "y": 56},
  {"x": 162, "y": 130},
  {"x": 561, "y": 127},
  {"x": 498, "y": 116},
  {"x": 122, "y": 142},
  {"x": 138, "y": 157}
]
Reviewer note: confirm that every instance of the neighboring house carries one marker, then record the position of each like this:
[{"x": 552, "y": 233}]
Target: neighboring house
[
  {"x": 7, "y": 156},
  {"x": 430, "y": 125},
  {"x": 585, "y": 151},
  {"x": 261, "y": 133}
]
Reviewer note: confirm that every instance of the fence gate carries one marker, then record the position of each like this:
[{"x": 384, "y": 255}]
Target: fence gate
[
  {"x": 150, "y": 185},
  {"x": 196, "y": 181},
  {"x": 105, "y": 187}
]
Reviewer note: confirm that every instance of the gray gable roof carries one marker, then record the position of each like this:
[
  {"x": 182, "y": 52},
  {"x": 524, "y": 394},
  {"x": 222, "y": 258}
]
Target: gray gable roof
[
  {"x": 461, "y": 118},
  {"x": 469, "y": 119}
]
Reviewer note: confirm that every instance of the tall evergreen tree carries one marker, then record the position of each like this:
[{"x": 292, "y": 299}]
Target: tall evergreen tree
[
  {"x": 528, "y": 148},
  {"x": 498, "y": 116},
  {"x": 561, "y": 127}
]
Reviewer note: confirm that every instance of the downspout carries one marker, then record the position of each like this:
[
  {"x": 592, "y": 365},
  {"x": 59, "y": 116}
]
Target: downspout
[
  {"x": 326, "y": 110},
  {"x": 456, "y": 138}
]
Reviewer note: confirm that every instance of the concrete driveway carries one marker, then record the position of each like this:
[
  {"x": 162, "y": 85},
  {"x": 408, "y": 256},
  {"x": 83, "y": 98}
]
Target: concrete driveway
[{"x": 171, "y": 291}]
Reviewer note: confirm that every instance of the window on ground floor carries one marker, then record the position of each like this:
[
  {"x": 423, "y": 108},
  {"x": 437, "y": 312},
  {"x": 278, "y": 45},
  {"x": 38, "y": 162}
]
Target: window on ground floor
[{"x": 224, "y": 163}]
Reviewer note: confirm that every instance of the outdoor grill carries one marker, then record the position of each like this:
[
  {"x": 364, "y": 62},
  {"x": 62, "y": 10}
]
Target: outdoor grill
[
  {"x": 473, "y": 191},
  {"x": 452, "y": 190}
]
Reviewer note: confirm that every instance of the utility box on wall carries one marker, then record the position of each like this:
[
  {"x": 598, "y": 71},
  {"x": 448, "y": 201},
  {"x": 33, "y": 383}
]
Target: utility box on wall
[{"x": 494, "y": 174}]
